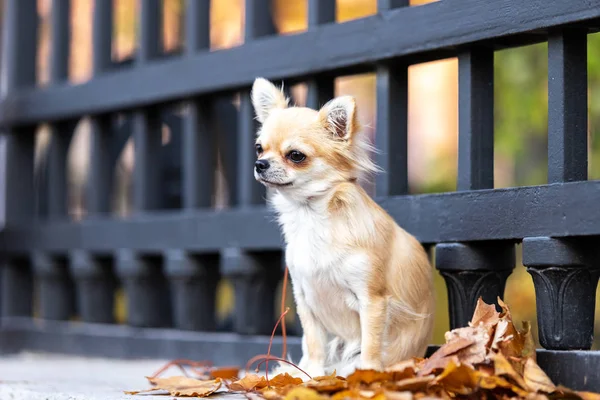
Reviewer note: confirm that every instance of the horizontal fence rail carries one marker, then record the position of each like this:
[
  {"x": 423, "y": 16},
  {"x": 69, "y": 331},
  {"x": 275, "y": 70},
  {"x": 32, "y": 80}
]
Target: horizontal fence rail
[
  {"x": 437, "y": 30},
  {"x": 180, "y": 240},
  {"x": 482, "y": 215}
]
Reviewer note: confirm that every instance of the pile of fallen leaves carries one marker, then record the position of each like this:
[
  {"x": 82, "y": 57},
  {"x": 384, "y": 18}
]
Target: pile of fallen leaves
[{"x": 489, "y": 359}]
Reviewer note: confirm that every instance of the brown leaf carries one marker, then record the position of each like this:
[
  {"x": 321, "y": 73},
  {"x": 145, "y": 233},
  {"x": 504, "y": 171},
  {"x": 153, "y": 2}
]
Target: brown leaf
[
  {"x": 413, "y": 384},
  {"x": 495, "y": 382},
  {"x": 225, "y": 372},
  {"x": 248, "y": 383},
  {"x": 444, "y": 355},
  {"x": 327, "y": 384},
  {"x": 528, "y": 342},
  {"x": 566, "y": 393},
  {"x": 269, "y": 393},
  {"x": 368, "y": 376},
  {"x": 536, "y": 379},
  {"x": 285, "y": 379},
  {"x": 485, "y": 314},
  {"x": 183, "y": 386},
  {"x": 457, "y": 378},
  {"x": 403, "y": 370},
  {"x": 502, "y": 367},
  {"x": 303, "y": 393},
  {"x": 466, "y": 345}
]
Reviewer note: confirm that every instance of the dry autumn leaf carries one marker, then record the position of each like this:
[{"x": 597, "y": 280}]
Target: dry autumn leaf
[
  {"x": 484, "y": 314},
  {"x": 502, "y": 367},
  {"x": 413, "y": 384},
  {"x": 368, "y": 376},
  {"x": 327, "y": 384},
  {"x": 536, "y": 379},
  {"x": 183, "y": 386},
  {"x": 303, "y": 393},
  {"x": 285, "y": 379},
  {"x": 403, "y": 370},
  {"x": 248, "y": 383},
  {"x": 225, "y": 372}
]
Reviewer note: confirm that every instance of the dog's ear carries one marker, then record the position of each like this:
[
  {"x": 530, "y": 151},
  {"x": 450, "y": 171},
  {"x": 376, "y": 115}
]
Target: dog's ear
[
  {"x": 265, "y": 98},
  {"x": 339, "y": 117}
]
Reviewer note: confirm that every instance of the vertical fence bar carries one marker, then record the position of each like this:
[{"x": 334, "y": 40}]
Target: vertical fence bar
[
  {"x": 251, "y": 273},
  {"x": 198, "y": 138},
  {"x": 56, "y": 290},
  {"x": 472, "y": 270},
  {"x": 146, "y": 123},
  {"x": 194, "y": 278},
  {"x": 258, "y": 23},
  {"x": 94, "y": 281},
  {"x": 148, "y": 294},
  {"x": 18, "y": 69},
  {"x": 565, "y": 265},
  {"x": 476, "y": 120},
  {"x": 100, "y": 179},
  {"x": 320, "y": 89},
  {"x": 567, "y": 107},
  {"x": 391, "y": 136},
  {"x": 61, "y": 132}
]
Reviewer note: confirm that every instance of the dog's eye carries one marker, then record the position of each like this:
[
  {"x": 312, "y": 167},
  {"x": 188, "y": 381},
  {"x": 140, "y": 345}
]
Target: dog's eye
[
  {"x": 258, "y": 148},
  {"x": 296, "y": 156}
]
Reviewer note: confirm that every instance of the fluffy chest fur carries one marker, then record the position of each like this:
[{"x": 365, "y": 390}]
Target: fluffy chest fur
[{"x": 331, "y": 278}]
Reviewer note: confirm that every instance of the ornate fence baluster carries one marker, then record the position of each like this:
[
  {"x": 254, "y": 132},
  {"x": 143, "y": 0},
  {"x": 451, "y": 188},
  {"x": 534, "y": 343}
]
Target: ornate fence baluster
[
  {"x": 55, "y": 294},
  {"x": 473, "y": 270},
  {"x": 193, "y": 286},
  {"x": 565, "y": 274},
  {"x": 95, "y": 286}
]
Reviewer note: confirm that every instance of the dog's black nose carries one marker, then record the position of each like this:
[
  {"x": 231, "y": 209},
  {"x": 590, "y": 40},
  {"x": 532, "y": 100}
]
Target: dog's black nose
[{"x": 261, "y": 165}]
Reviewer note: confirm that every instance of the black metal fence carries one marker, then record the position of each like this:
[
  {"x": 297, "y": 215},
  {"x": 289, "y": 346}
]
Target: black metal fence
[{"x": 170, "y": 253}]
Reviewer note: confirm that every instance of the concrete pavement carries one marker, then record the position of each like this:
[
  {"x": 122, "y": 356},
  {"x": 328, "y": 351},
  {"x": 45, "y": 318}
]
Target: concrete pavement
[{"x": 36, "y": 376}]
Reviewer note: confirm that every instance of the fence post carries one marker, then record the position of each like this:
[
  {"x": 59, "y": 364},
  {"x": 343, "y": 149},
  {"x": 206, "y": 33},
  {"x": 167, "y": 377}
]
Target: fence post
[
  {"x": 254, "y": 274},
  {"x": 19, "y": 38}
]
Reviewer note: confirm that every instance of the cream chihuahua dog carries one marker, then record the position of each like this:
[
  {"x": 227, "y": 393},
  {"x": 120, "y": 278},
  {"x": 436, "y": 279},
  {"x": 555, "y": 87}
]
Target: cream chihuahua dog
[{"x": 363, "y": 286}]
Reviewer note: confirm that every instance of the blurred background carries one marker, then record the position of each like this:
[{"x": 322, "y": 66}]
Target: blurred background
[{"x": 520, "y": 117}]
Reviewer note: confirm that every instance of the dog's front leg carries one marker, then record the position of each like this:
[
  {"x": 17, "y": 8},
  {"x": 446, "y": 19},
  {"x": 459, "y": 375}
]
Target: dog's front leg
[
  {"x": 372, "y": 325},
  {"x": 314, "y": 340}
]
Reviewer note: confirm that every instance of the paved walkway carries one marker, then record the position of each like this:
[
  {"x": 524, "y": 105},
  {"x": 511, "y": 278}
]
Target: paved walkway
[{"x": 30, "y": 376}]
